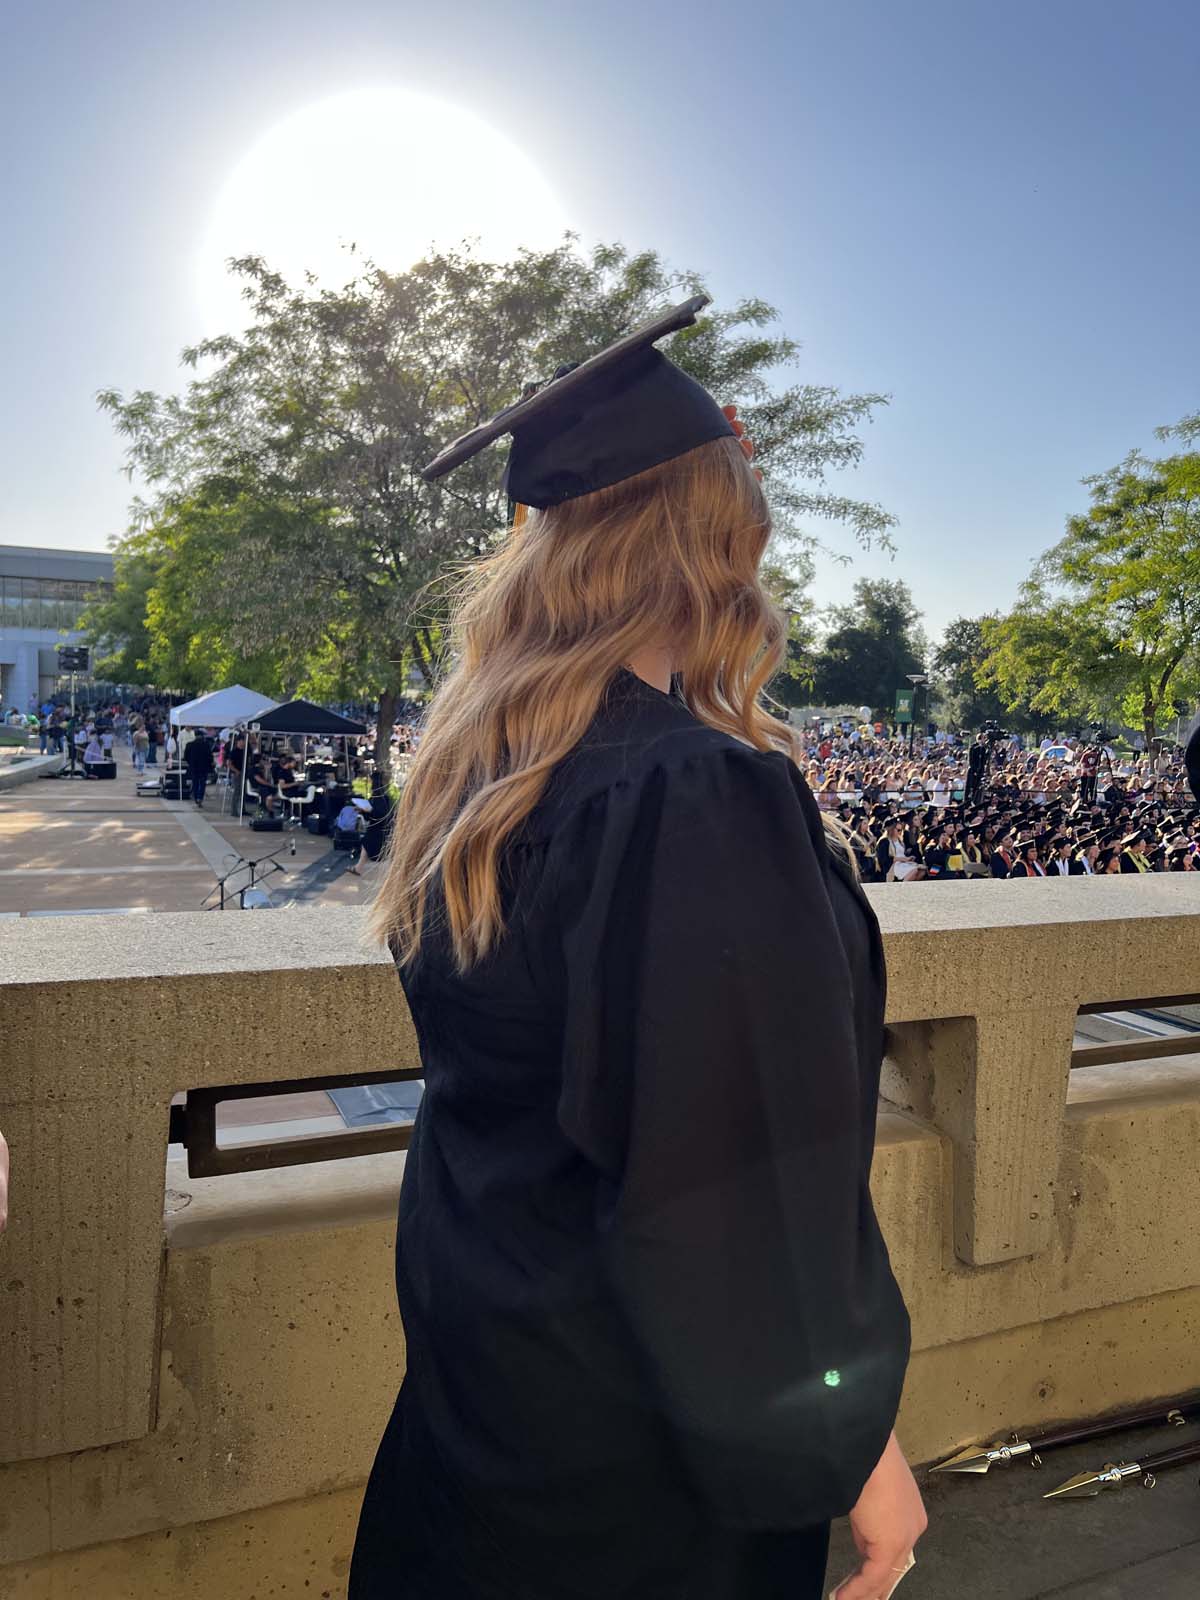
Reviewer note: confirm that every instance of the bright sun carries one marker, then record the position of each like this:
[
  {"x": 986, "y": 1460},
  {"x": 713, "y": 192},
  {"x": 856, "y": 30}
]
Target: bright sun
[{"x": 388, "y": 171}]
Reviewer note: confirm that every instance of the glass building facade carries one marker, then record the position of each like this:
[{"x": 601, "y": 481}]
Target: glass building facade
[
  {"x": 42, "y": 596},
  {"x": 43, "y": 602}
]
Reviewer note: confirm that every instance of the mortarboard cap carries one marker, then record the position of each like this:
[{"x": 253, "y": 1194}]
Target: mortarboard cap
[{"x": 619, "y": 413}]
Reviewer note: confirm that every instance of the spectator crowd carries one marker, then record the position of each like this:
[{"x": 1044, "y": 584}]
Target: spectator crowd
[
  {"x": 952, "y": 807},
  {"x": 989, "y": 808}
]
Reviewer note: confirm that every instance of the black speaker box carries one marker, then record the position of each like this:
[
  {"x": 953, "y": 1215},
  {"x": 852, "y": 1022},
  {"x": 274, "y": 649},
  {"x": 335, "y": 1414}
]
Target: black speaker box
[{"x": 267, "y": 824}]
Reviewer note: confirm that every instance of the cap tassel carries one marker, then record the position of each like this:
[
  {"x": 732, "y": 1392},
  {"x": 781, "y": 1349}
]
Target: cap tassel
[{"x": 520, "y": 513}]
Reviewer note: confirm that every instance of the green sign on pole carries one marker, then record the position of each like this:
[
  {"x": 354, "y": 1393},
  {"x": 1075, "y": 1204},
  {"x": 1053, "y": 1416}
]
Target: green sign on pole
[{"x": 904, "y": 705}]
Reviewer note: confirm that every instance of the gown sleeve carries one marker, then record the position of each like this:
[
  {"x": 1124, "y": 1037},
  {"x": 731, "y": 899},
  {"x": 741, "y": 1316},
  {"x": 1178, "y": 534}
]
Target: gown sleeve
[{"x": 712, "y": 1074}]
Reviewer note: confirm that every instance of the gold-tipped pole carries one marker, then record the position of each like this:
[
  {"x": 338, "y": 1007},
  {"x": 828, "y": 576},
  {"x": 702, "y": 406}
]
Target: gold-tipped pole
[
  {"x": 979, "y": 1457},
  {"x": 1086, "y": 1485}
]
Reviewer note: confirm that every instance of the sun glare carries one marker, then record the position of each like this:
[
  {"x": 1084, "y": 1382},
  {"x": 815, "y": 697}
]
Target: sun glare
[{"x": 385, "y": 170}]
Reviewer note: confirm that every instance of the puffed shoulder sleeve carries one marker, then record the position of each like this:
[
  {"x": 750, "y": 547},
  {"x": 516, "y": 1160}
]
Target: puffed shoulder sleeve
[{"x": 711, "y": 1074}]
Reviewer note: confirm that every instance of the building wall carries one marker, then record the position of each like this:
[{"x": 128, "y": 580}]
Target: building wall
[{"x": 42, "y": 593}]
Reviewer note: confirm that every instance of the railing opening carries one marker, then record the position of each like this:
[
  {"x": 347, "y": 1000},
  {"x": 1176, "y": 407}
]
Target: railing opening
[
  {"x": 251, "y": 1126},
  {"x": 1137, "y": 1030}
]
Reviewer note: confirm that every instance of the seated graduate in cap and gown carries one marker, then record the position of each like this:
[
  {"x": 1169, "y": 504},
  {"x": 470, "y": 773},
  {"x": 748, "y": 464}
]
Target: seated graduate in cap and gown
[{"x": 653, "y": 1339}]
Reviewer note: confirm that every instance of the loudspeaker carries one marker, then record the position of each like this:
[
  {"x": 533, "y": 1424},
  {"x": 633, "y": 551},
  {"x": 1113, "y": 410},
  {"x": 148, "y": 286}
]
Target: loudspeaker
[
  {"x": 176, "y": 786},
  {"x": 267, "y": 824}
]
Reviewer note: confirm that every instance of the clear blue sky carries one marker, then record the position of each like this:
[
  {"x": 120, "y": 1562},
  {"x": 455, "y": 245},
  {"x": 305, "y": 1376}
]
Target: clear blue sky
[{"x": 988, "y": 211}]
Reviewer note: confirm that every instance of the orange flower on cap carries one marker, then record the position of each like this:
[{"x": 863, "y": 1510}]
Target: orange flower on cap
[{"x": 740, "y": 431}]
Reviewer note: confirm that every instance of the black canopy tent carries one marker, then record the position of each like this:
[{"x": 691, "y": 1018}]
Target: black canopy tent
[{"x": 309, "y": 721}]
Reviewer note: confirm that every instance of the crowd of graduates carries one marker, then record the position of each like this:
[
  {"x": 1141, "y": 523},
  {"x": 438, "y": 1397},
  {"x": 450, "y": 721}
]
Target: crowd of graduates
[{"x": 989, "y": 808}]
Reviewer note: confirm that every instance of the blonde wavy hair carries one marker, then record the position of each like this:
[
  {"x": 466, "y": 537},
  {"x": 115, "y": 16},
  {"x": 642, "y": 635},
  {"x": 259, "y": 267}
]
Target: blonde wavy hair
[{"x": 538, "y": 628}]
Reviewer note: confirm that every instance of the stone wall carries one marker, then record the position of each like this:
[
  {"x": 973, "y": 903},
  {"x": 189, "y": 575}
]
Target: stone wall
[{"x": 191, "y": 1392}]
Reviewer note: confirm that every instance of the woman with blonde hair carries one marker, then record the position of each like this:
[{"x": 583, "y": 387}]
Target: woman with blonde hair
[{"x": 653, "y": 1340}]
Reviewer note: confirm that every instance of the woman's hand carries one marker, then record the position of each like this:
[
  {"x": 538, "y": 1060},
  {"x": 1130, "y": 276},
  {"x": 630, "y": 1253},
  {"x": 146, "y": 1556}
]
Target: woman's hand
[
  {"x": 3, "y": 1184},
  {"x": 886, "y": 1523}
]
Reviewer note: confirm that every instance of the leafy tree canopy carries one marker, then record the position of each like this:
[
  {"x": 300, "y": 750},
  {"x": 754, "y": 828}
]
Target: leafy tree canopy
[
  {"x": 282, "y": 498},
  {"x": 1109, "y": 616},
  {"x": 871, "y": 647},
  {"x": 955, "y": 662}
]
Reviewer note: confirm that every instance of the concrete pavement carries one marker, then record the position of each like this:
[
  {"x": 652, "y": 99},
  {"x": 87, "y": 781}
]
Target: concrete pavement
[{"x": 74, "y": 846}]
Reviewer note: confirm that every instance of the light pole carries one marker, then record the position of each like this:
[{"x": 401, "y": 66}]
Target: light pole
[{"x": 916, "y": 679}]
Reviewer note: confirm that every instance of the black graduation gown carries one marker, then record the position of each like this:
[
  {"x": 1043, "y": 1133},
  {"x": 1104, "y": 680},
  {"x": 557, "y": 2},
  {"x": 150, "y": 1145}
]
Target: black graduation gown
[
  {"x": 1192, "y": 757},
  {"x": 654, "y": 1342}
]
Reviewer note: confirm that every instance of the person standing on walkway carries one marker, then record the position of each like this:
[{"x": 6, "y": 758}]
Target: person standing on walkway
[
  {"x": 198, "y": 758},
  {"x": 654, "y": 1343}
]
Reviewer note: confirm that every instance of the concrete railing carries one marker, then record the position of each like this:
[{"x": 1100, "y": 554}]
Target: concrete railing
[
  {"x": 21, "y": 767},
  {"x": 206, "y": 1365}
]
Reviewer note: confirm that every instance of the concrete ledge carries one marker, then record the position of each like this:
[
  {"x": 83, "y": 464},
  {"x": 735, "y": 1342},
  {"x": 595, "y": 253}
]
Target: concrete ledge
[
  {"x": 281, "y": 1350},
  {"x": 243, "y": 1351},
  {"x": 13, "y": 774},
  {"x": 254, "y": 1205},
  {"x": 300, "y": 1548}
]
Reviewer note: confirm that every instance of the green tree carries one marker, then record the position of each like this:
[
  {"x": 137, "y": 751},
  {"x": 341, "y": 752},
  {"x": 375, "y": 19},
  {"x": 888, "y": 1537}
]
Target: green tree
[
  {"x": 956, "y": 661},
  {"x": 871, "y": 647},
  {"x": 309, "y": 429},
  {"x": 114, "y": 621},
  {"x": 1109, "y": 617},
  {"x": 169, "y": 620},
  {"x": 787, "y": 581}
]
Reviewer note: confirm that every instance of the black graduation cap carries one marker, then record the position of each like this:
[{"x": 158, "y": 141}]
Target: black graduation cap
[{"x": 619, "y": 413}]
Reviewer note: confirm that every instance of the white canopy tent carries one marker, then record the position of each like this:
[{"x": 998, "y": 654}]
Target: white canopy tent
[{"x": 222, "y": 708}]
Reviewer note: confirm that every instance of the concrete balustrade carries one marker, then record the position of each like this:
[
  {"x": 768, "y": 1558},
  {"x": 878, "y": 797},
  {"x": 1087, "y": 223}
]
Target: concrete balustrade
[{"x": 191, "y": 1389}]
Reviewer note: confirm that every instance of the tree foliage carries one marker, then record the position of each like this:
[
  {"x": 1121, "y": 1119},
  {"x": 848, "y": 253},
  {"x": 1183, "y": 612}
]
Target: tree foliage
[
  {"x": 1110, "y": 616},
  {"x": 291, "y": 457},
  {"x": 871, "y": 647},
  {"x": 956, "y": 663}
]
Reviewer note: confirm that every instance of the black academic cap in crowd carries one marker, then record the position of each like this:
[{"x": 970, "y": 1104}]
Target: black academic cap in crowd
[
  {"x": 1136, "y": 837},
  {"x": 620, "y": 412},
  {"x": 1087, "y": 839}
]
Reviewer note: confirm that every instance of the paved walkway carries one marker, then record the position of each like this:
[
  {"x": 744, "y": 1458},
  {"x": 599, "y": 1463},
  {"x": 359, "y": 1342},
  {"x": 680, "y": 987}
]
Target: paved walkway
[{"x": 72, "y": 847}]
